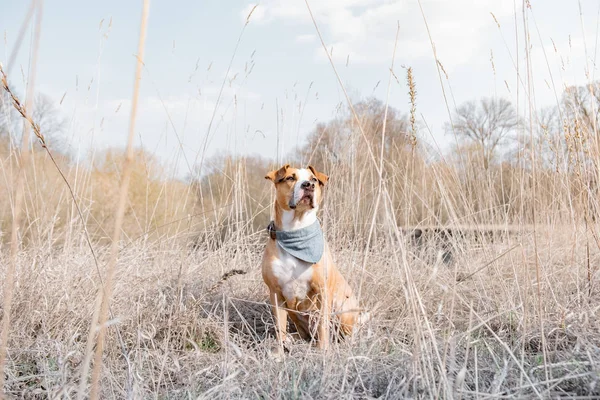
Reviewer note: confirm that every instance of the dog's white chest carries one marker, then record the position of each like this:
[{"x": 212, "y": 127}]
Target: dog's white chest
[{"x": 293, "y": 275}]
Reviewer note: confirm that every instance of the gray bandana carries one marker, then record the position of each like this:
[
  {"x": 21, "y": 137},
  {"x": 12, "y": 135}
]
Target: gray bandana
[{"x": 306, "y": 244}]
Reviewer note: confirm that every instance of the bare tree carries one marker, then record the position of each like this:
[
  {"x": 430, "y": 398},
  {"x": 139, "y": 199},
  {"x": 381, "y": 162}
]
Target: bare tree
[
  {"x": 45, "y": 113},
  {"x": 332, "y": 142},
  {"x": 487, "y": 123},
  {"x": 49, "y": 117},
  {"x": 582, "y": 104},
  {"x": 581, "y": 122},
  {"x": 7, "y": 113},
  {"x": 547, "y": 141}
]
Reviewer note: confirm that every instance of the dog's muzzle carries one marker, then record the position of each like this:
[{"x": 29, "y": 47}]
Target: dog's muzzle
[{"x": 304, "y": 192}]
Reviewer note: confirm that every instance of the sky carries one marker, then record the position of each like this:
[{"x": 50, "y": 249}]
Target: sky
[{"x": 268, "y": 76}]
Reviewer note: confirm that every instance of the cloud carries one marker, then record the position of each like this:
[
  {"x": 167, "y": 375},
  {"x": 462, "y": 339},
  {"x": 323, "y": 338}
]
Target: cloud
[
  {"x": 365, "y": 30},
  {"x": 305, "y": 38},
  {"x": 159, "y": 119}
]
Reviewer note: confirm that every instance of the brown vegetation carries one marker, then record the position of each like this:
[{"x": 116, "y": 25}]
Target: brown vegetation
[
  {"x": 479, "y": 265},
  {"x": 456, "y": 299}
]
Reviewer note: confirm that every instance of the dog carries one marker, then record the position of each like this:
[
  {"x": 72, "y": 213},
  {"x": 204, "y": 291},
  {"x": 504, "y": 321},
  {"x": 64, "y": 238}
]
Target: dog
[{"x": 297, "y": 265}]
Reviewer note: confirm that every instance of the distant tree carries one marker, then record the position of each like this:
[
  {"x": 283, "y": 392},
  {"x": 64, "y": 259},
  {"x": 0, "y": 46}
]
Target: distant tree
[
  {"x": 548, "y": 142},
  {"x": 238, "y": 182},
  {"x": 324, "y": 144},
  {"x": 6, "y": 114},
  {"x": 50, "y": 119},
  {"x": 486, "y": 123},
  {"x": 45, "y": 113},
  {"x": 581, "y": 122},
  {"x": 582, "y": 104},
  {"x": 334, "y": 141}
]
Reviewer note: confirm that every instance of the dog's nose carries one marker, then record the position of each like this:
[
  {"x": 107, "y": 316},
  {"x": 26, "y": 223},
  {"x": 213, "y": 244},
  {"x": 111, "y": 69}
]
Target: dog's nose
[{"x": 307, "y": 185}]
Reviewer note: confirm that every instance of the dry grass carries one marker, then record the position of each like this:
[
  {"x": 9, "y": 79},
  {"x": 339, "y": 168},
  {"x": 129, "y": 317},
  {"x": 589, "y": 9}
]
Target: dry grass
[
  {"x": 455, "y": 305},
  {"x": 482, "y": 280},
  {"x": 185, "y": 334}
]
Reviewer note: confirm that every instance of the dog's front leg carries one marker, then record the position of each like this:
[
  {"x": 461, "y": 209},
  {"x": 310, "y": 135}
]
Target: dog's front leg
[
  {"x": 280, "y": 314},
  {"x": 323, "y": 325}
]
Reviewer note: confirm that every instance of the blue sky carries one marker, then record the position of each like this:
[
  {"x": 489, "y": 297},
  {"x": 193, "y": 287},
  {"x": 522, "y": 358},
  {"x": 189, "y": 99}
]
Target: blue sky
[{"x": 87, "y": 55}]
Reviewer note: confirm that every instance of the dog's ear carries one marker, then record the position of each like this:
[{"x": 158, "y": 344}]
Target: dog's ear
[
  {"x": 322, "y": 178},
  {"x": 277, "y": 174}
]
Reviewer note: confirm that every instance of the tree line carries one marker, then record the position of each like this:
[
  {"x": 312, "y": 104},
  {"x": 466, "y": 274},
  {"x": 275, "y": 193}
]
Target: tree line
[{"x": 497, "y": 159}]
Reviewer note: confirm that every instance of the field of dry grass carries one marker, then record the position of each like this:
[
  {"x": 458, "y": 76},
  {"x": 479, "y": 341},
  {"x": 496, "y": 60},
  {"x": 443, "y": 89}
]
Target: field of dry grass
[
  {"x": 481, "y": 276},
  {"x": 179, "y": 331},
  {"x": 459, "y": 309}
]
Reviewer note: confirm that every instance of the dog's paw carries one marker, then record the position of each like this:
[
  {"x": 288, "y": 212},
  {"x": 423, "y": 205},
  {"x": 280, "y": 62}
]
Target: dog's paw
[{"x": 276, "y": 353}]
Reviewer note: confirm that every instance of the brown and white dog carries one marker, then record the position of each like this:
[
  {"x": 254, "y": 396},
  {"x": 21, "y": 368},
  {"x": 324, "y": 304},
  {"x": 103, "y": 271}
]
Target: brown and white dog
[{"x": 310, "y": 293}]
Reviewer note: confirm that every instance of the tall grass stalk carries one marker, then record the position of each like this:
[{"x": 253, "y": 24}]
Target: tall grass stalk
[
  {"x": 23, "y": 162},
  {"x": 107, "y": 287},
  {"x": 480, "y": 282}
]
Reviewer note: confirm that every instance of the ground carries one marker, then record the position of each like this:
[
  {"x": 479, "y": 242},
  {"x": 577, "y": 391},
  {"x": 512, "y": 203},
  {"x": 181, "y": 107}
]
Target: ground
[{"x": 179, "y": 330}]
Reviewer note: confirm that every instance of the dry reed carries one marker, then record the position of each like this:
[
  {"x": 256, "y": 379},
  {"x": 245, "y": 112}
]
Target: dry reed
[
  {"x": 107, "y": 287},
  {"x": 481, "y": 282},
  {"x": 24, "y": 155}
]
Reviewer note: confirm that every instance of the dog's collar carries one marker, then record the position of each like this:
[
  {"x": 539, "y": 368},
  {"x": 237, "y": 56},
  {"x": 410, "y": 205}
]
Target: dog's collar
[
  {"x": 306, "y": 244},
  {"x": 271, "y": 230}
]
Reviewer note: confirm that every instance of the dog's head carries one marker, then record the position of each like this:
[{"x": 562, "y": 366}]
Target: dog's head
[{"x": 298, "y": 188}]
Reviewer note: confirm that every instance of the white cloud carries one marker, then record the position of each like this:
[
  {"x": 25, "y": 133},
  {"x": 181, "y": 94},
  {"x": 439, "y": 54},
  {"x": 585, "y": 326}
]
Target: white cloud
[
  {"x": 305, "y": 38},
  {"x": 158, "y": 118},
  {"x": 365, "y": 29}
]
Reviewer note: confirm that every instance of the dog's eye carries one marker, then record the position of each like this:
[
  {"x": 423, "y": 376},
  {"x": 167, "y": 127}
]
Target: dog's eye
[
  {"x": 290, "y": 178},
  {"x": 313, "y": 179}
]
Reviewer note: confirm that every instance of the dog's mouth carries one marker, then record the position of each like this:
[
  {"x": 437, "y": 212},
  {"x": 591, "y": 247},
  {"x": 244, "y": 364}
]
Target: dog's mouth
[{"x": 306, "y": 199}]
